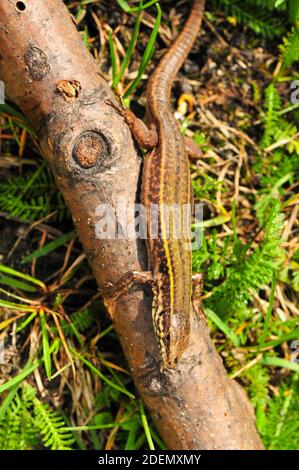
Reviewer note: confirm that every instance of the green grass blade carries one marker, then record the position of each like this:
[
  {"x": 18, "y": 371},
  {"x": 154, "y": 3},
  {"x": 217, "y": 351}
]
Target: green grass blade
[
  {"x": 7, "y": 401},
  {"x": 143, "y": 7},
  {"x": 146, "y": 427},
  {"x": 14, "y": 306},
  {"x": 124, "y": 5},
  {"x": 222, "y": 326},
  {"x": 276, "y": 342},
  {"x": 98, "y": 426},
  {"x": 288, "y": 109},
  {"x": 26, "y": 322},
  {"x": 158, "y": 440},
  {"x": 113, "y": 59},
  {"x": 8, "y": 109},
  {"x": 150, "y": 45},
  {"x": 8, "y": 281},
  {"x": 46, "y": 346},
  {"x": 102, "y": 376},
  {"x": 279, "y": 362},
  {"x": 49, "y": 247},
  {"x": 149, "y": 50},
  {"x": 127, "y": 9},
  {"x": 214, "y": 222},
  {"x": 13, "y": 272},
  {"x": 129, "y": 52},
  {"x": 28, "y": 369},
  {"x": 19, "y": 378},
  {"x": 234, "y": 223},
  {"x": 106, "y": 331},
  {"x": 269, "y": 310}
]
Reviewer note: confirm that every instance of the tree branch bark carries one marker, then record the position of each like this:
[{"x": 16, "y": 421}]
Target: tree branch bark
[{"x": 54, "y": 80}]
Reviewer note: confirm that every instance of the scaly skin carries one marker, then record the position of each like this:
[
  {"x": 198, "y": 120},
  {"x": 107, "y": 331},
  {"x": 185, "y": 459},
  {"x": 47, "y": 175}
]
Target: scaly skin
[{"x": 166, "y": 181}]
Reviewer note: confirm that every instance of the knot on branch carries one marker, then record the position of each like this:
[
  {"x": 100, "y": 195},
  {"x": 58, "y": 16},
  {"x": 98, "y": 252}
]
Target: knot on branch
[
  {"x": 37, "y": 62},
  {"x": 89, "y": 149},
  {"x": 162, "y": 383}
]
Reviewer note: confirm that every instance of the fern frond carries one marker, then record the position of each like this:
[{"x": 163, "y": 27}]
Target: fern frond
[
  {"x": 259, "y": 394},
  {"x": 81, "y": 321},
  {"x": 272, "y": 106},
  {"x": 51, "y": 427},
  {"x": 253, "y": 271},
  {"x": 17, "y": 430},
  {"x": 261, "y": 20},
  {"x": 290, "y": 48},
  {"x": 282, "y": 428},
  {"x": 27, "y": 419},
  {"x": 32, "y": 196},
  {"x": 271, "y": 5}
]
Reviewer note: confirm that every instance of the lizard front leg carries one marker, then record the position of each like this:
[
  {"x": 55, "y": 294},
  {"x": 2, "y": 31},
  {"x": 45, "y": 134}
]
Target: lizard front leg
[
  {"x": 112, "y": 292},
  {"x": 146, "y": 137},
  {"x": 197, "y": 289}
]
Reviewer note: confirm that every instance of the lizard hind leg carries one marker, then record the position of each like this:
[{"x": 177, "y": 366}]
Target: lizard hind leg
[{"x": 193, "y": 150}]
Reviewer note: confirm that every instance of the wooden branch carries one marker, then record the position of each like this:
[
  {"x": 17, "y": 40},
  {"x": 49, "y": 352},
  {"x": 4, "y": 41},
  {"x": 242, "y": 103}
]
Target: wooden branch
[{"x": 54, "y": 80}]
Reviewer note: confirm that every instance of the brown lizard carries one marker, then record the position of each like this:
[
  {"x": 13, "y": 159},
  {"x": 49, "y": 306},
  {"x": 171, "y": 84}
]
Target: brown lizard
[{"x": 166, "y": 182}]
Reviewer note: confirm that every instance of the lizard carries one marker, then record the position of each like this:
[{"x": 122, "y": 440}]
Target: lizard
[{"x": 166, "y": 183}]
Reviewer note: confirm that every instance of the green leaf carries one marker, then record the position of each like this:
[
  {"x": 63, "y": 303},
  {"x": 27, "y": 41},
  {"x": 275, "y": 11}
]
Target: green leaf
[
  {"x": 26, "y": 322},
  {"x": 149, "y": 50},
  {"x": 49, "y": 247},
  {"x": 46, "y": 346},
  {"x": 294, "y": 10},
  {"x": 51, "y": 427},
  {"x": 146, "y": 426},
  {"x": 8, "y": 400},
  {"x": 126, "y": 7},
  {"x": 14, "y": 306},
  {"x": 279, "y": 362},
  {"x": 13, "y": 272},
  {"x": 19, "y": 378},
  {"x": 276, "y": 342},
  {"x": 269, "y": 310},
  {"x": 99, "y": 373},
  {"x": 290, "y": 49},
  {"x": 113, "y": 59},
  {"x": 222, "y": 326},
  {"x": 7, "y": 108},
  {"x": 129, "y": 52},
  {"x": 28, "y": 369},
  {"x": 97, "y": 426},
  {"x": 8, "y": 281}
]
